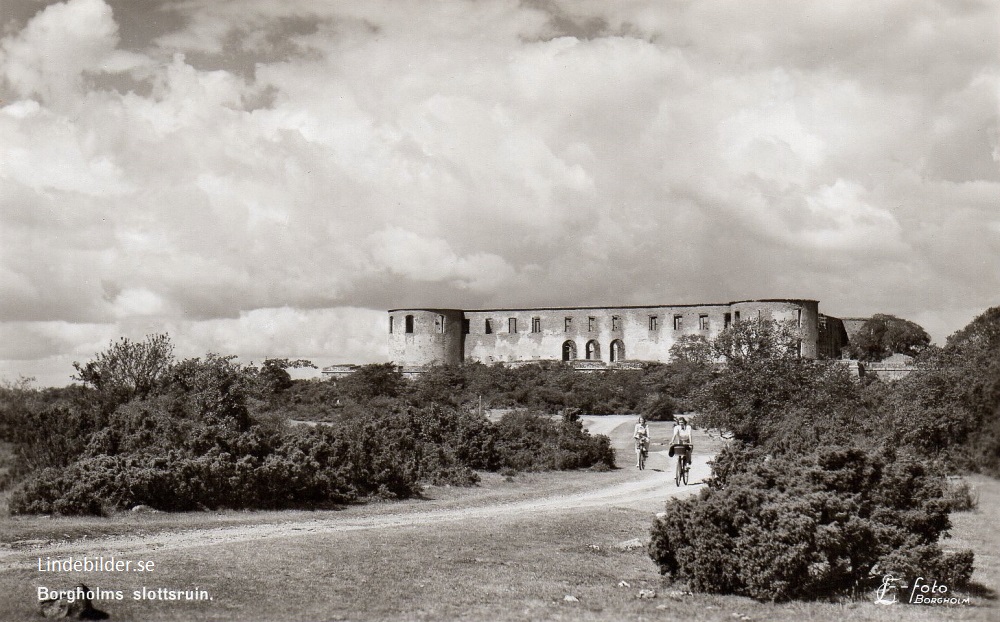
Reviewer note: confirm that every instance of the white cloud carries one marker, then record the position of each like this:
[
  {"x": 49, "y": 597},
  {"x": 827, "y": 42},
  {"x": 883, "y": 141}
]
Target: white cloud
[
  {"x": 203, "y": 171},
  {"x": 422, "y": 259},
  {"x": 49, "y": 57}
]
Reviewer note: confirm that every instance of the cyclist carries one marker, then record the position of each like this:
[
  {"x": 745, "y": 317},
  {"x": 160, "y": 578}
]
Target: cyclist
[
  {"x": 641, "y": 437},
  {"x": 682, "y": 436}
]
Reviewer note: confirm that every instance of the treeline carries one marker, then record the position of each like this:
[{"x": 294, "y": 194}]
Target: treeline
[
  {"x": 206, "y": 433},
  {"x": 832, "y": 483},
  {"x": 656, "y": 390}
]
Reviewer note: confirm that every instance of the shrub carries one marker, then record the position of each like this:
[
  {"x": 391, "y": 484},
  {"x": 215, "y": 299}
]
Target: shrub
[
  {"x": 210, "y": 433},
  {"x": 302, "y": 467},
  {"x": 528, "y": 441},
  {"x": 962, "y": 496},
  {"x": 808, "y": 527}
]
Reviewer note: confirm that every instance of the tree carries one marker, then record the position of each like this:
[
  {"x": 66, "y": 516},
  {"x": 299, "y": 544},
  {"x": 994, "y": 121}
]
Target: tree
[
  {"x": 273, "y": 377},
  {"x": 214, "y": 390},
  {"x": 972, "y": 359},
  {"x": 751, "y": 341},
  {"x": 128, "y": 369},
  {"x": 371, "y": 381},
  {"x": 883, "y": 335},
  {"x": 692, "y": 349}
]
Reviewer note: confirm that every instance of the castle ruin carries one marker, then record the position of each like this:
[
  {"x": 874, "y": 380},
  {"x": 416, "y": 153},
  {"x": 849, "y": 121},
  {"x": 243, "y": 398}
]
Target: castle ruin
[{"x": 591, "y": 337}]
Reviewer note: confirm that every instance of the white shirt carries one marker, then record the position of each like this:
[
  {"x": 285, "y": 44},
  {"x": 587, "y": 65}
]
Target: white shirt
[{"x": 682, "y": 436}]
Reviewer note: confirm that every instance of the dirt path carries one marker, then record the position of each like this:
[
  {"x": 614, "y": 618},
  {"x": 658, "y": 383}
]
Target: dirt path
[{"x": 646, "y": 490}]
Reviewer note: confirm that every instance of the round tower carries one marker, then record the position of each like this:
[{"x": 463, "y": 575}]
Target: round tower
[{"x": 425, "y": 336}]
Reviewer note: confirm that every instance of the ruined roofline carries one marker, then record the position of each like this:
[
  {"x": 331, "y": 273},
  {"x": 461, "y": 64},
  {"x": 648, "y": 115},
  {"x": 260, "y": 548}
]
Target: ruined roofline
[{"x": 593, "y": 308}]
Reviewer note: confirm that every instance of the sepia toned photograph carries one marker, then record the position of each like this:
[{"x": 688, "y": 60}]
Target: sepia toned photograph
[{"x": 506, "y": 310}]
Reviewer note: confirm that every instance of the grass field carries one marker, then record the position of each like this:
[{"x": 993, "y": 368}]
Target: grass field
[{"x": 498, "y": 568}]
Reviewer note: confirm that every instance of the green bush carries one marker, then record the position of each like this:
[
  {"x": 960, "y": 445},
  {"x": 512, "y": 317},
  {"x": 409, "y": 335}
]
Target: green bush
[
  {"x": 528, "y": 441},
  {"x": 809, "y": 527},
  {"x": 308, "y": 467},
  {"x": 210, "y": 433},
  {"x": 962, "y": 496}
]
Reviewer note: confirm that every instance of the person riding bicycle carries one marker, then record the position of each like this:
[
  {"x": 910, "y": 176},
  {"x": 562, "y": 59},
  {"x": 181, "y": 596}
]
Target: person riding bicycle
[
  {"x": 641, "y": 437},
  {"x": 682, "y": 436}
]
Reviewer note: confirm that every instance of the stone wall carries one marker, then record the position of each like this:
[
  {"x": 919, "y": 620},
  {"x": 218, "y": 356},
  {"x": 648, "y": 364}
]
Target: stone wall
[
  {"x": 425, "y": 336},
  {"x": 608, "y": 334}
]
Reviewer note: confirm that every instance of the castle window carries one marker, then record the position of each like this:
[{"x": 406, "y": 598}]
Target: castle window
[
  {"x": 616, "y": 322},
  {"x": 798, "y": 318},
  {"x": 568, "y": 324},
  {"x": 512, "y": 325},
  {"x": 727, "y": 319},
  {"x": 703, "y": 322},
  {"x": 536, "y": 324},
  {"x": 465, "y": 326},
  {"x": 593, "y": 350},
  {"x": 439, "y": 323},
  {"x": 390, "y": 324},
  {"x": 736, "y": 317},
  {"x": 591, "y": 324},
  {"x": 409, "y": 323},
  {"x": 568, "y": 351},
  {"x": 489, "y": 326},
  {"x": 654, "y": 322},
  {"x": 678, "y": 322},
  {"x": 617, "y": 351}
]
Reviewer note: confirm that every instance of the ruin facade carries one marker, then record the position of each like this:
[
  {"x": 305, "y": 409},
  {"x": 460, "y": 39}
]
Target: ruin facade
[{"x": 596, "y": 337}]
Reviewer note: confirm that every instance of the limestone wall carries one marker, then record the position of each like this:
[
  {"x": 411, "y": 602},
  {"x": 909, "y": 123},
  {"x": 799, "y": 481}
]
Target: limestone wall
[
  {"x": 610, "y": 334},
  {"x": 425, "y": 336}
]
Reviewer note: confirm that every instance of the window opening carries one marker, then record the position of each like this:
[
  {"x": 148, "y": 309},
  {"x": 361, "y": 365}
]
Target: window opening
[
  {"x": 409, "y": 323},
  {"x": 569, "y": 351},
  {"x": 617, "y": 351},
  {"x": 653, "y": 322},
  {"x": 512, "y": 325},
  {"x": 678, "y": 322},
  {"x": 488, "y": 327},
  {"x": 703, "y": 322},
  {"x": 536, "y": 324}
]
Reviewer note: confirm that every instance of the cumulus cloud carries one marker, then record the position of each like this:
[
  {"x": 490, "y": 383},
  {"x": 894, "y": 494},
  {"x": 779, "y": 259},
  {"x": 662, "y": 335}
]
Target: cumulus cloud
[
  {"x": 411, "y": 256},
  {"x": 62, "y": 43},
  {"x": 239, "y": 169}
]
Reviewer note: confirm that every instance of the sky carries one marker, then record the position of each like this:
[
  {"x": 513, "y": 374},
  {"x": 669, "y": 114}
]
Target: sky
[{"x": 266, "y": 178}]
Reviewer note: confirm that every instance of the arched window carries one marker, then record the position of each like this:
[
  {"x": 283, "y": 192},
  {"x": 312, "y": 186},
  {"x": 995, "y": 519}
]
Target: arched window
[
  {"x": 617, "y": 350},
  {"x": 593, "y": 351},
  {"x": 569, "y": 351}
]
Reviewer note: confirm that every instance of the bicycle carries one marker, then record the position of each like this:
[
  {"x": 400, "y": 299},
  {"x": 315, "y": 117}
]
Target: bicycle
[
  {"x": 642, "y": 452},
  {"x": 683, "y": 453}
]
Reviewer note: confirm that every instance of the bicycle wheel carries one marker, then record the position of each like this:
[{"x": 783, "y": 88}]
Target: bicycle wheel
[
  {"x": 678, "y": 470},
  {"x": 687, "y": 469}
]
